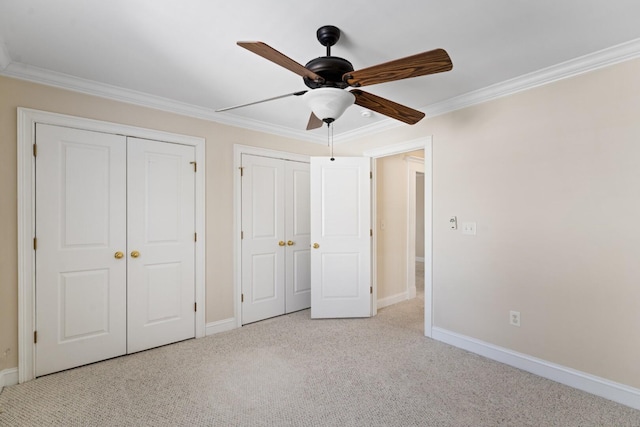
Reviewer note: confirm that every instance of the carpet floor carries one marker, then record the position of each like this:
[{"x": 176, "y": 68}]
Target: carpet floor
[{"x": 294, "y": 371}]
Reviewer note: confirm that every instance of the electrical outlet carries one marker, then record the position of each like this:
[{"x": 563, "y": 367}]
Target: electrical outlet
[{"x": 514, "y": 318}]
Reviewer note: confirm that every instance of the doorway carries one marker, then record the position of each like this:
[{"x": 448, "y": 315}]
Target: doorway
[{"x": 408, "y": 268}]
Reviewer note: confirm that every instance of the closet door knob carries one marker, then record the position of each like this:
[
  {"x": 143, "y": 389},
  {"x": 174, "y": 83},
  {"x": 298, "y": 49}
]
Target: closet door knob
[
  {"x": 135, "y": 254},
  {"x": 281, "y": 243},
  {"x": 118, "y": 255},
  {"x": 290, "y": 243},
  {"x": 316, "y": 246}
]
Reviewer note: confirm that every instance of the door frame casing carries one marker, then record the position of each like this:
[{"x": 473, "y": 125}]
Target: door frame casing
[
  {"x": 238, "y": 151},
  {"x": 27, "y": 119},
  {"x": 426, "y": 144}
]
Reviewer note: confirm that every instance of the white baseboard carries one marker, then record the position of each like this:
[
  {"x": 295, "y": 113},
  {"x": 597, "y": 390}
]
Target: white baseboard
[
  {"x": 8, "y": 377},
  {"x": 393, "y": 299},
  {"x": 602, "y": 387},
  {"x": 220, "y": 326}
]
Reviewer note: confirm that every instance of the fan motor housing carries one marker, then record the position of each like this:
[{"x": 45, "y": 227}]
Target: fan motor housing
[{"x": 331, "y": 69}]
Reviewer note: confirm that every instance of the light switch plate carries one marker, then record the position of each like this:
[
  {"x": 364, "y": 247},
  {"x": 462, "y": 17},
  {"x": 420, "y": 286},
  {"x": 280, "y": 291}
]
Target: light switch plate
[{"x": 469, "y": 228}]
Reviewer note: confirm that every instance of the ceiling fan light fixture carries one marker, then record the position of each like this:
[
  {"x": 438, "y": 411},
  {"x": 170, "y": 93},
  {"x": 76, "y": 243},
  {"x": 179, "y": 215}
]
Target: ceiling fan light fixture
[{"x": 329, "y": 103}]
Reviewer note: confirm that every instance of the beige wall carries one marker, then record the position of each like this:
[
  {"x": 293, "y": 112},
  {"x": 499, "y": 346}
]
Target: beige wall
[
  {"x": 219, "y": 192},
  {"x": 420, "y": 215},
  {"x": 391, "y": 227},
  {"x": 551, "y": 176}
]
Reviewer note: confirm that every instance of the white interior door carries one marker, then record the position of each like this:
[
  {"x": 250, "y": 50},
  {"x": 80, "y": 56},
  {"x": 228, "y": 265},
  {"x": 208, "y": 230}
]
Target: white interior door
[
  {"x": 161, "y": 243},
  {"x": 298, "y": 235},
  {"x": 81, "y": 226},
  {"x": 263, "y": 240},
  {"x": 340, "y": 237}
]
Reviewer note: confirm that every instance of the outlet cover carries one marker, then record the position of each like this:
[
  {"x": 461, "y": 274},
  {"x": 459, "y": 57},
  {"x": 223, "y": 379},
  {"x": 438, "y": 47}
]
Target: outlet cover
[{"x": 514, "y": 318}]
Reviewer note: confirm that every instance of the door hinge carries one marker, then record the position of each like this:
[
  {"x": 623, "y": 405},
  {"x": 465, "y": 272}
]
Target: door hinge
[
  {"x": 195, "y": 166},
  {"x": 195, "y": 237},
  {"x": 241, "y": 297},
  {"x": 35, "y": 337},
  {"x": 241, "y": 170},
  {"x": 35, "y": 243},
  {"x": 241, "y": 235},
  {"x": 371, "y": 289},
  {"x": 370, "y": 175},
  {"x": 371, "y": 232},
  {"x": 195, "y": 306},
  {"x": 35, "y": 150}
]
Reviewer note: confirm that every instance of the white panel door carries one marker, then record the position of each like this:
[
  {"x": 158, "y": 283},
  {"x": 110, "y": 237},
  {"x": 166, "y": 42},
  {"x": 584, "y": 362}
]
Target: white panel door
[
  {"x": 161, "y": 246},
  {"x": 80, "y": 225},
  {"x": 263, "y": 241},
  {"x": 340, "y": 235},
  {"x": 298, "y": 234}
]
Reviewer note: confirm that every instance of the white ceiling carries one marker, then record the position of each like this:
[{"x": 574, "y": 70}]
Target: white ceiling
[{"x": 182, "y": 55}]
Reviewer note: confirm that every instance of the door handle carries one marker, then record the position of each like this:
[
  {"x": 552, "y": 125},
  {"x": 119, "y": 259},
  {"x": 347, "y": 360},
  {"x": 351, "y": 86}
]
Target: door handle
[
  {"x": 118, "y": 255},
  {"x": 316, "y": 246},
  {"x": 290, "y": 243},
  {"x": 135, "y": 254},
  {"x": 281, "y": 243}
]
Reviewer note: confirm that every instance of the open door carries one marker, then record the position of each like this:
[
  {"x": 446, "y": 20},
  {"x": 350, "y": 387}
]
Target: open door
[{"x": 340, "y": 237}]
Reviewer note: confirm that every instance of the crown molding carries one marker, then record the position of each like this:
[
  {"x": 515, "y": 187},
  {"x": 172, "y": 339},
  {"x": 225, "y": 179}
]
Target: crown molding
[
  {"x": 603, "y": 58},
  {"x": 89, "y": 87},
  {"x": 571, "y": 68}
]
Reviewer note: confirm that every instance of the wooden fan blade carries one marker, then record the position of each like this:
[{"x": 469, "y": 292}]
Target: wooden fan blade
[
  {"x": 431, "y": 62},
  {"x": 302, "y": 92},
  {"x": 273, "y": 55},
  {"x": 314, "y": 122},
  {"x": 388, "y": 108}
]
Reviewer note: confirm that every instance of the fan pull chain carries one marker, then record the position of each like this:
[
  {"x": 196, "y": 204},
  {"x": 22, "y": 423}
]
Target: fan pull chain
[{"x": 330, "y": 140}]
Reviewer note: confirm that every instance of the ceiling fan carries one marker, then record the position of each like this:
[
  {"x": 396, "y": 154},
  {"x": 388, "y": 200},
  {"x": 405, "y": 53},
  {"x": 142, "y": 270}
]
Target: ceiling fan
[{"x": 328, "y": 76}]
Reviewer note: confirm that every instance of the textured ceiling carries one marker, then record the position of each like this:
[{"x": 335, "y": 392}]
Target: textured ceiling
[{"x": 185, "y": 52}]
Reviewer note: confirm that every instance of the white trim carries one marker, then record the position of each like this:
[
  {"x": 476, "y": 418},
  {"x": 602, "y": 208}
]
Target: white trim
[
  {"x": 428, "y": 237},
  {"x": 221, "y": 326},
  {"x": 574, "y": 67},
  {"x": 590, "y": 62},
  {"x": 8, "y": 377},
  {"x": 374, "y": 240},
  {"x": 426, "y": 144},
  {"x": 573, "y": 378},
  {"x": 398, "y": 148},
  {"x": 238, "y": 151},
  {"x": 27, "y": 119},
  {"x": 393, "y": 299}
]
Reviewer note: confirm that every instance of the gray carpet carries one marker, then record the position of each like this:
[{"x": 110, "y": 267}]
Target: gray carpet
[{"x": 292, "y": 371}]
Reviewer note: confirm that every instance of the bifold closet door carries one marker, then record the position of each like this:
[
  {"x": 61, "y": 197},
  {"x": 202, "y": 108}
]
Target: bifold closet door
[
  {"x": 115, "y": 254},
  {"x": 263, "y": 240},
  {"x": 276, "y": 274},
  {"x": 160, "y": 243},
  {"x": 298, "y": 233},
  {"x": 81, "y": 268}
]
